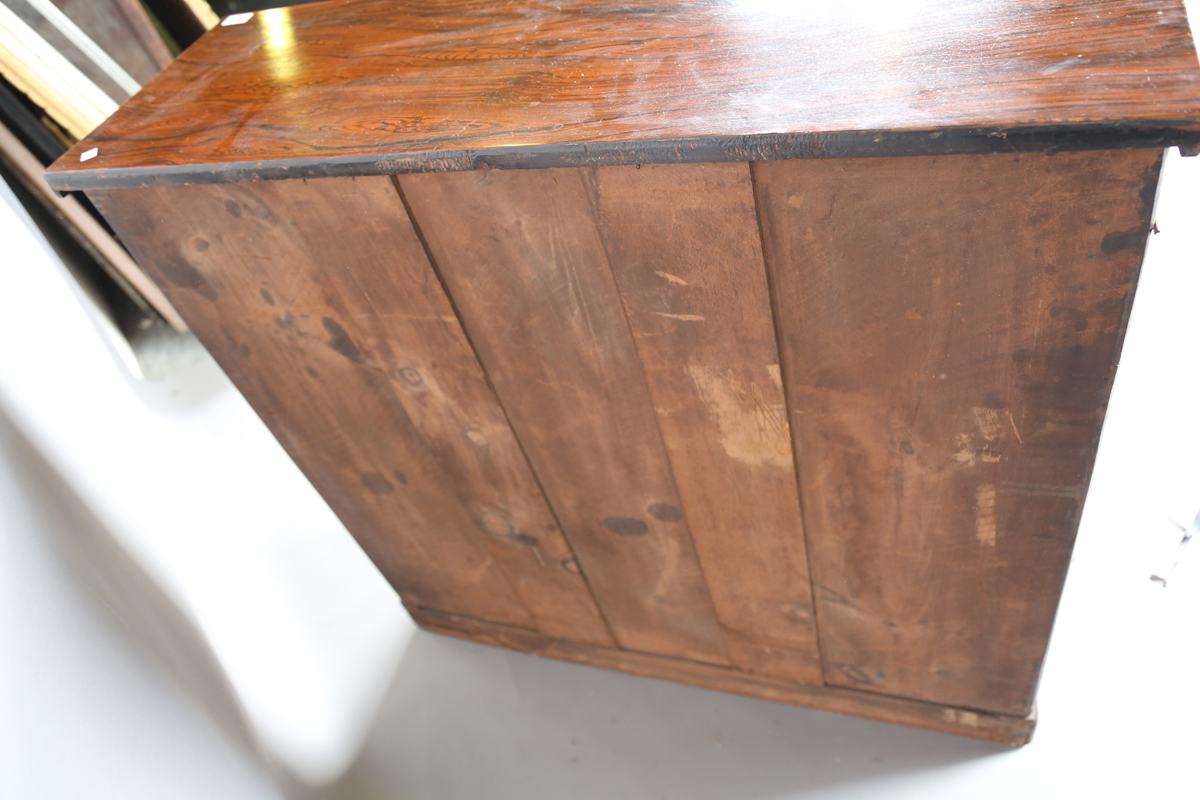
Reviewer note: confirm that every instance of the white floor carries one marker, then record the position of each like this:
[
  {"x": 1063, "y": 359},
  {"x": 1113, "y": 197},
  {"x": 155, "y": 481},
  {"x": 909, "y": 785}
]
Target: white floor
[{"x": 181, "y": 616}]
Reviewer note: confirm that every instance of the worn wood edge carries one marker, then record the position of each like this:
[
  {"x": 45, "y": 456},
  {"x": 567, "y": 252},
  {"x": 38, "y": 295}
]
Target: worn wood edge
[
  {"x": 66, "y": 175},
  {"x": 1149, "y": 226},
  {"x": 992, "y": 727}
]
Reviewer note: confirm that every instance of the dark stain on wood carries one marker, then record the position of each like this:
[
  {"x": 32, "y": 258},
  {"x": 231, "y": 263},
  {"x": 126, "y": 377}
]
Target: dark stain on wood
[
  {"x": 627, "y": 526},
  {"x": 340, "y": 341},
  {"x": 665, "y": 512},
  {"x": 1123, "y": 240},
  {"x": 377, "y": 484}
]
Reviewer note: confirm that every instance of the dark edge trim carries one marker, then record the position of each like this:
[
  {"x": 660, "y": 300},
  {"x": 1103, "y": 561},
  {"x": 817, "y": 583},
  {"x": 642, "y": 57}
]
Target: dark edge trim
[{"x": 756, "y": 147}]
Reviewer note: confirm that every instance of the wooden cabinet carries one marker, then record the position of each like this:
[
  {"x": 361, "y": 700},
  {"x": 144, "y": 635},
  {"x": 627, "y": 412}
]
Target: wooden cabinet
[{"x": 757, "y": 348}]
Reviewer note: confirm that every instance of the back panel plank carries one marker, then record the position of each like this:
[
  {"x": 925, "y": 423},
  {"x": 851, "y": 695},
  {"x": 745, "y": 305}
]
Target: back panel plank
[
  {"x": 683, "y": 243},
  {"x": 524, "y": 263},
  {"x": 950, "y": 328},
  {"x": 317, "y": 299}
]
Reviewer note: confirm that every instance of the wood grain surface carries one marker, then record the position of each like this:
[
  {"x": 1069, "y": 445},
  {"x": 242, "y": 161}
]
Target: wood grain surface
[
  {"x": 354, "y": 358},
  {"x": 950, "y": 328},
  {"x": 375, "y": 86},
  {"x": 683, "y": 243},
  {"x": 947, "y": 719},
  {"x": 524, "y": 263},
  {"x": 814, "y": 430}
]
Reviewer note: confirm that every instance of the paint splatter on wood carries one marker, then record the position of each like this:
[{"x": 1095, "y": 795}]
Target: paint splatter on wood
[
  {"x": 985, "y": 514},
  {"x": 752, "y": 429}
]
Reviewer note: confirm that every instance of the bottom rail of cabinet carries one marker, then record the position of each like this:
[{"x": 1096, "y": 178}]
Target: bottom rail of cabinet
[{"x": 897, "y": 710}]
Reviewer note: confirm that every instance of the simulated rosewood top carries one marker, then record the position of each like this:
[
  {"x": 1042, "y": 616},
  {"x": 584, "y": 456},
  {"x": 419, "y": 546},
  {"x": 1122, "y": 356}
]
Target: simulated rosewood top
[{"x": 362, "y": 86}]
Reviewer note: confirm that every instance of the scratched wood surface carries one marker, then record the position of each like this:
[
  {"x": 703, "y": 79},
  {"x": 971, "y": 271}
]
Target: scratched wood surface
[
  {"x": 620, "y": 415},
  {"x": 523, "y": 260},
  {"x": 683, "y": 244},
  {"x": 354, "y": 358},
  {"x": 379, "y": 86},
  {"x": 949, "y": 328}
]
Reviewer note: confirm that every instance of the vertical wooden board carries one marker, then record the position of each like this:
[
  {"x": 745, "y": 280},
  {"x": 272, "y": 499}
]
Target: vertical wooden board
[
  {"x": 401, "y": 310},
  {"x": 683, "y": 243},
  {"x": 525, "y": 266},
  {"x": 318, "y": 301},
  {"x": 949, "y": 331}
]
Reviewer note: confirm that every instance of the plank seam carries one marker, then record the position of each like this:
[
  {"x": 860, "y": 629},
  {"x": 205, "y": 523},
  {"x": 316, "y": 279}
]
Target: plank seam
[
  {"x": 433, "y": 265},
  {"x": 590, "y": 183},
  {"x": 773, "y": 297}
]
